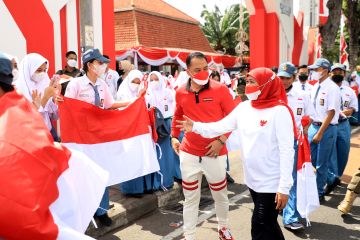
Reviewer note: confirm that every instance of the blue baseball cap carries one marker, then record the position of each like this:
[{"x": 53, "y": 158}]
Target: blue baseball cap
[
  {"x": 338, "y": 66},
  {"x": 5, "y": 70},
  {"x": 320, "y": 62},
  {"x": 94, "y": 53},
  {"x": 286, "y": 70}
]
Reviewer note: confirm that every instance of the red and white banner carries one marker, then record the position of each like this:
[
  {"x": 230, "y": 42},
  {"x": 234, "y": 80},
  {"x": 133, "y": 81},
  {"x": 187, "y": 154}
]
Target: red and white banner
[
  {"x": 159, "y": 56},
  {"x": 323, "y": 12},
  {"x": 46, "y": 190},
  {"x": 343, "y": 46},
  {"x": 306, "y": 190},
  {"x": 119, "y": 141}
]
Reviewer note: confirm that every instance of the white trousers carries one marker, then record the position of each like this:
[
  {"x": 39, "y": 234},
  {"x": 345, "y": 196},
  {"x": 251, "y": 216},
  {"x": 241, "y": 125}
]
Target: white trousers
[{"x": 192, "y": 169}]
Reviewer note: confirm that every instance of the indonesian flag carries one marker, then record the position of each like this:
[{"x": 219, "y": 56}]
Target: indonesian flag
[
  {"x": 120, "y": 141},
  {"x": 46, "y": 190},
  {"x": 318, "y": 45},
  {"x": 343, "y": 45},
  {"x": 306, "y": 192},
  {"x": 323, "y": 12}
]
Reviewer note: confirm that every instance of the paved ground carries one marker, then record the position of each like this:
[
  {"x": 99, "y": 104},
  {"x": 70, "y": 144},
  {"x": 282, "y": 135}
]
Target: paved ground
[{"x": 326, "y": 223}]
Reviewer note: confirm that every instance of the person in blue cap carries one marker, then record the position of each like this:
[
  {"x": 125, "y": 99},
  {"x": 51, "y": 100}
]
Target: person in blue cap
[
  {"x": 6, "y": 76},
  {"x": 325, "y": 96},
  {"x": 349, "y": 105},
  {"x": 92, "y": 89},
  {"x": 300, "y": 104}
]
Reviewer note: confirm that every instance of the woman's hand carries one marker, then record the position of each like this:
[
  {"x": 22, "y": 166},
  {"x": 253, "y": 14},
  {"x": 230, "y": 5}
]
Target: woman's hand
[
  {"x": 281, "y": 200},
  {"x": 185, "y": 125},
  {"x": 36, "y": 97}
]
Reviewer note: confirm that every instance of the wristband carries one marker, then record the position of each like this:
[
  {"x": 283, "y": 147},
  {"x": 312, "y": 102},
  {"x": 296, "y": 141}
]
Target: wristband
[{"x": 222, "y": 143}]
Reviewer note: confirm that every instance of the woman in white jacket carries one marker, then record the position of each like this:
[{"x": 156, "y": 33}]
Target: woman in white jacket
[{"x": 266, "y": 141}]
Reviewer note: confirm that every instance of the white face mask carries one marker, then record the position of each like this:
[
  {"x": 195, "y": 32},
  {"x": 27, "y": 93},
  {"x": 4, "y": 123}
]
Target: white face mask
[
  {"x": 100, "y": 69},
  {"x": 155, "y": 85},
  {"x": 134, "y": 87},
  {"x": 15, "y": 74},
  {"x": 316, "y": 75},
  {"x": 38, "y": 77},
  {"x": 72, "y": 63}
]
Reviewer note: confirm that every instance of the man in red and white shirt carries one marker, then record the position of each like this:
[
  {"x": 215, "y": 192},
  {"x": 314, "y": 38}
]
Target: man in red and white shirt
[{"x": 206, "y": 101}]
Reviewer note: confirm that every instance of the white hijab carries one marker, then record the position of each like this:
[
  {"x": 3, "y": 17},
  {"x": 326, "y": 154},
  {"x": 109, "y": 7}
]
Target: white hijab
[
  {"x": 157, "y": 97},
  {"x": 125, "y": 92},
  {"x": 27, "y": 68}
]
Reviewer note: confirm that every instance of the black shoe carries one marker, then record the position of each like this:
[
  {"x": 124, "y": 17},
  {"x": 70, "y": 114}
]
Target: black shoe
[
  {"x": 135, "y": 195},
  {"x": 178, "y": 180},
  {"x": 104, "y": 220},
  {"x": 331, "y": 187},
  {"x": 229, "y": 178},
  {"x": 322, "y": 199}
]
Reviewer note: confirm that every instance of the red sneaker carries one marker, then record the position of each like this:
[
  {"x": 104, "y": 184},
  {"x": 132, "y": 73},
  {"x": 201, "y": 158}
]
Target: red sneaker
[{"x": 224, "y": 234}]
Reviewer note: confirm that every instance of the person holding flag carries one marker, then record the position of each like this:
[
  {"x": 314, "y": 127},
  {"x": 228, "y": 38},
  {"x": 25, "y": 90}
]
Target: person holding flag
[
  {"x": 267, "y": 130},
  {"x": 92, "y": 89},
  {"x": 325, "y": 96},
  {"x": 162, "y": 98},
  {"x": 207, "y": 101},
  {"x": 299, "y": 102}
]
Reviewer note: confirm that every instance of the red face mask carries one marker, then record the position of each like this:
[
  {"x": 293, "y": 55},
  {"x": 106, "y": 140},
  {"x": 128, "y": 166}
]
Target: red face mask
[
  {"x": 201, "y": 78},
  {"x": 252, "y": 92}
]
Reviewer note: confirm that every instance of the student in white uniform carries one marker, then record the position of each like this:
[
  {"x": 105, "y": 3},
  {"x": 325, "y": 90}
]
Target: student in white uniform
[
  {"x": 349, "y": 105},
  {"x": 267, "y": 131},
  {"x": 300, "y": 104},
  {"x": 92, "y": 89},
  {"x": 163, "y": 98},
  {"x": 302, "y": 79},
  {"x": 111, "y": 78},
  {"x": 34, "y": 83},
  {"x": 325, "y": 96}
]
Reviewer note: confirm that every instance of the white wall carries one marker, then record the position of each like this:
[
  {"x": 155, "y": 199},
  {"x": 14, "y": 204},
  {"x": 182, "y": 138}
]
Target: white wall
[{"x": 12, "y": 41}]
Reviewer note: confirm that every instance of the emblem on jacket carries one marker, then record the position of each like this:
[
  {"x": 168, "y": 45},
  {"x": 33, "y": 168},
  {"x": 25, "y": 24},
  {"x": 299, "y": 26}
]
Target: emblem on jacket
[{"x": 263, "y": 122}]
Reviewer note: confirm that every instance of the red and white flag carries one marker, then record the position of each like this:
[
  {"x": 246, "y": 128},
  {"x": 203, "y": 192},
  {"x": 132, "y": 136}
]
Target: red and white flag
[
  {"x": 343, "y": 46},
  {"x": 120, "y": 141},
  {"x": 46, "y": 190},
  {"x": 306, "y": 188}
]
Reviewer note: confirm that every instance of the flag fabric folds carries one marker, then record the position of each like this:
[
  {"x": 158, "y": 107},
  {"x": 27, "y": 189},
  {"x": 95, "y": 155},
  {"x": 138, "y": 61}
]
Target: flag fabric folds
[{"x": 120, "y": 141}]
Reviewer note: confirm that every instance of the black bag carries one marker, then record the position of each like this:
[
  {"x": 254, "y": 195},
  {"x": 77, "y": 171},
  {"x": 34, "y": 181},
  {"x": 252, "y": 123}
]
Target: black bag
[{"x": 161, "y": 129}]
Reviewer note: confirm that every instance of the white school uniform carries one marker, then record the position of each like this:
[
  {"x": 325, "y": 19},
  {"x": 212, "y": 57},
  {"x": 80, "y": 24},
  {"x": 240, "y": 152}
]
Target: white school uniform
[
  {"x": 328, "y": 98},
  {"x": 81, "y": 88},
  {"x": 299, "y": 86},
  {"x": 300, "y": 104},
  {"x": 348, "y": 98},
  {"x": 111, "y": 77}
]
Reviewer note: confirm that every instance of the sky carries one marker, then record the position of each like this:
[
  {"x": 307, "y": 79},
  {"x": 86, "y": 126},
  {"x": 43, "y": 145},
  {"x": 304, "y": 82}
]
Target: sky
[{"x": 194, "y": 7}]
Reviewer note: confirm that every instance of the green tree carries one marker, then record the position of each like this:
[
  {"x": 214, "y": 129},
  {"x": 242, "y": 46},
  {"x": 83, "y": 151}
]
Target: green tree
[{"x": 220, "y": 29}]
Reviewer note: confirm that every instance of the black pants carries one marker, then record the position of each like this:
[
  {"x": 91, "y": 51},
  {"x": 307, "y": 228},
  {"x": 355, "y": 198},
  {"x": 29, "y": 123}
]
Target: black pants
[{"x": 264, "y": 225}]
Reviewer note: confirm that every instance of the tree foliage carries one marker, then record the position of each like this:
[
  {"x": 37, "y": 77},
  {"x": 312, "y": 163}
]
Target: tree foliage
[{"x": 220, "y": 29}]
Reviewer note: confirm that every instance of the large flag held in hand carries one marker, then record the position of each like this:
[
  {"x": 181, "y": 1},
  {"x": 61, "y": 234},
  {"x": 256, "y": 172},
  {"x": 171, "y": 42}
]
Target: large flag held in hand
[
  {"x": 118, "y": 140},
  {"x": 306, "y": 191},
  {"x": 46, "y": 190}
]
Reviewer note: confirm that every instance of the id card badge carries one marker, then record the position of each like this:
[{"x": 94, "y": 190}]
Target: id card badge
[{"x": 166, "y": 108}]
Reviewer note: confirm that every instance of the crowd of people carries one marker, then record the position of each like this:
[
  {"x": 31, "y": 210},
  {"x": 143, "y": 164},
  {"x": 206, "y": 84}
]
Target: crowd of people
[{"x": 200, "y": 108}]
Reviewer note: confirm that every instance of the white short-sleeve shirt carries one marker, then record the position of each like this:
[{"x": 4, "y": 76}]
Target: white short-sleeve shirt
[
  {"x": 328, "y": 98},
  {"x": 80, "y": 88},
  {"x": 111, "y": 78},
  {"x": 300, "y": 104},
  {"x": 348, "y": 98},
  {"x": 299, "y": 86}
]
